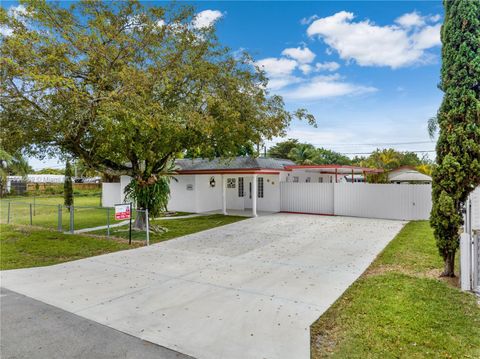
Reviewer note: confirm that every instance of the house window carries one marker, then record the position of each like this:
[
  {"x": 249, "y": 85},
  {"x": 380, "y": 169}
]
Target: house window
[
  {"x": 308, "y": 179},
  {"x": 331, "y": 179},
  {"x": 241, "y": 193},
  {"x": 231, "y": 182},
  {"x": 295, "y": 178},
  {"x": 260, "y": 187},
  {"x": 320, "y": 179}
]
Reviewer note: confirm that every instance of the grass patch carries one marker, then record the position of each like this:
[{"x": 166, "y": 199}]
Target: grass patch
[
  {"x": 23, "y": 247},
  {"x": 400, "y": 309},
  {"x": 176, "y": 227}
]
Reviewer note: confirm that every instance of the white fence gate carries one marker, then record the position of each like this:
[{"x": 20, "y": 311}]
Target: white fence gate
[
  {"x": 307, "y": 197},
  {"x": 470, "y": 244},
  {"x": 389, "y": 201}
]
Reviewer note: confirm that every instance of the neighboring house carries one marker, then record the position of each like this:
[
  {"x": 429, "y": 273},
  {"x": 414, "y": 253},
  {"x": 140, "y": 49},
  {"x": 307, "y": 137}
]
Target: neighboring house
[
  {"x": 241, "y": 183},
  {"x": 408, "y": 174}
]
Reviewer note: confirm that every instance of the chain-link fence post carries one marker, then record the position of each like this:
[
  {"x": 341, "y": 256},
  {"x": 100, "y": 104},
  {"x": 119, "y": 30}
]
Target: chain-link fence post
[
  {"x": 8, "y": 213},
  {"x": 72, "y": 210},
  {"x": 108, "y": 222},
  {"x": 147, "y": 226},
  {"x": 60, "y": 224},
  {"x": 31, "y": 214},
  {"x": 34, "y": 206}
]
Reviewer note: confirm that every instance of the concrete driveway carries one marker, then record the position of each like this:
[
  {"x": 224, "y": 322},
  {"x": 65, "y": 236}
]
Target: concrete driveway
[{"x": 247, "y": 290}]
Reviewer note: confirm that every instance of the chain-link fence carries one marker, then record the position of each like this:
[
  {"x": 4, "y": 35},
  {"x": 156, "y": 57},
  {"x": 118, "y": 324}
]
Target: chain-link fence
[{"x": 92, "y": 220}]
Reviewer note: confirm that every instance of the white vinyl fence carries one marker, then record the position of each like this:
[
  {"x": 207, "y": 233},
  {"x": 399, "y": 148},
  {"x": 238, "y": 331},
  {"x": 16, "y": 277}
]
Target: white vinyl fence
[
  {"x": 389, "y": 201},
  {"x": 470, "y": 244},
  {"x": 307, "y": 197}
]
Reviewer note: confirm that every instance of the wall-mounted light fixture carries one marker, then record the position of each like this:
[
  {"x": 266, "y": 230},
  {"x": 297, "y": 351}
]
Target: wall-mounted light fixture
[{"x": 212, "y": 181}]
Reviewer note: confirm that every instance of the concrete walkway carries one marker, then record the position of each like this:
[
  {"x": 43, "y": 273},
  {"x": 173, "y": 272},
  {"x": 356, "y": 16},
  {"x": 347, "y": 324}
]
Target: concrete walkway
[{"x": 247, "y": 290}]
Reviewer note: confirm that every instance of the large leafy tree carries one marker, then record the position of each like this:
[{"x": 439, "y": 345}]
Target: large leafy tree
[
  {"x": 282, "y": 149},
  {"x": 126, "y": 88},
  {"x": 458, "y": 146},
  {"x": 324, "y": 156}
]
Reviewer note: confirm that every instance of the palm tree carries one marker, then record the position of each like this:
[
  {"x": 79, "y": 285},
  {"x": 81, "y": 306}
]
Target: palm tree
[{"x": 303, "y": 154}]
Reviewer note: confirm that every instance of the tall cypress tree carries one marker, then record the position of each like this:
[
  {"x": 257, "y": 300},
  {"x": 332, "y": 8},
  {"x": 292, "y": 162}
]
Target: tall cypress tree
[
  {"x": 458, "y": 146},
  {"x": 68, "y": 186}
]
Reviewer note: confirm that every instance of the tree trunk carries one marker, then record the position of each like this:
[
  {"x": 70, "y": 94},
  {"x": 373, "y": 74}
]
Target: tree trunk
[
  {"x": 140, "y": 222},
  {"x": 449, "y": 268}
]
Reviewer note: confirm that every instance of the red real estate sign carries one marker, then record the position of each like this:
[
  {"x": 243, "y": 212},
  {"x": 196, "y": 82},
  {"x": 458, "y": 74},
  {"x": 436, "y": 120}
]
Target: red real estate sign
[{"x": 122, "y": 211}]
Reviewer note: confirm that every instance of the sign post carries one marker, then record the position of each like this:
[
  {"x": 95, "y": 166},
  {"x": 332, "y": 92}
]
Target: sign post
[{"x": 122, "y": 212}]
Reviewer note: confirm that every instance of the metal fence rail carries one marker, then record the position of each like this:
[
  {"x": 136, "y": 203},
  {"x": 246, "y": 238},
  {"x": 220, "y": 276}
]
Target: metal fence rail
[{"x": 71, "y": 219}]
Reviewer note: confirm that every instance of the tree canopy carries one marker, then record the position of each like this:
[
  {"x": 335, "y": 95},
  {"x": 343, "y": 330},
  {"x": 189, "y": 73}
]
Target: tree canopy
[{"x": 125, "y": 88}]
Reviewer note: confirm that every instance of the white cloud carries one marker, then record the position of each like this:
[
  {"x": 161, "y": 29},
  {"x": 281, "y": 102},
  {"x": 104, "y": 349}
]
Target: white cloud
[
  {"x": 372, "y": 45},
  {"x": 410, "y": 19},
  {"x": 321, "y": 87},
  {"x": 16, "y": 12},
  {"x": 302, "y": 55},
  {"x": 428, "y": 37},
  {"x": 206, "y": 18},
  {"x": 280, "y": 82},
  {"x": 305, "y": 68},
  {"x": 277, "y": 66},
  {"x": 5, "y": 31},
  {"x": 327, "y": 66},
  {"x": 308, "y": 20},
  {"x": 435, "y": 18}
]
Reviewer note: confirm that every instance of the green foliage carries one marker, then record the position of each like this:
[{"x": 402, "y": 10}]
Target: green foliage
[
  {"x": 12, "y": 165},
  {"x": 68, "y": 186},
  {"x": 306, "y": 154},
  {"x": 125, "y": 88},
  {"x": 282, "y": 149},
  {"x": 303, "y": 154},
  {"x": 329, "y": 157},
  {"x": 152, "y": 193},
  {"x": 458, "y": 146},
  {"x": 50, "y": 171}
]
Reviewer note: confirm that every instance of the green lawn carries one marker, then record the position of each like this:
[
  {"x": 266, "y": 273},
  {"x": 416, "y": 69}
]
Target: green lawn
[
  {"x": 45, "y": 212},
  {"x": 176, "y": 227},
  {"x": 400, "y": 308},
  {"x": 23, "y": 247}
]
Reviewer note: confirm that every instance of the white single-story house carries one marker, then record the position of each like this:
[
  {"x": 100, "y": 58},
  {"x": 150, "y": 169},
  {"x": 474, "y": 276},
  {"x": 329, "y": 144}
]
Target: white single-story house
[
  {"x": 408, "y": 174},
  {"x": 241, "y": 183}
]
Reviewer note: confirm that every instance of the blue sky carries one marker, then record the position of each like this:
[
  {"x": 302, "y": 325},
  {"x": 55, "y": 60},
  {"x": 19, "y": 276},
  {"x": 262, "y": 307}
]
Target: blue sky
[{"x": 368, "y": 71}]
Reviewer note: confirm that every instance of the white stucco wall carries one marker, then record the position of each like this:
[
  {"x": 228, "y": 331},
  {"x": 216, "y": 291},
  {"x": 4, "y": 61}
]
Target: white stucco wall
[
  {"x": 182, "y": 199},
  {"x": 233, "y": 200},
  {"x": 208, "y": 198},
  {"x": 271, "y": 194},
  {"x": 111, "y": 194}
]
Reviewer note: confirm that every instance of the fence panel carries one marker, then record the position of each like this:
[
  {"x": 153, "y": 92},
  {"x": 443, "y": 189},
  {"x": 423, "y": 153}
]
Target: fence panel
[
  {"x": 388, "y": 201},
  {"x": 306, "y": 197}
]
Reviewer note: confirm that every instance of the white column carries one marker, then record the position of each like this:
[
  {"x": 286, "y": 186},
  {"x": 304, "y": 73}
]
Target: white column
[
  {"x": 224, "y": 195},
  {"x": 254, "y": 195}
]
